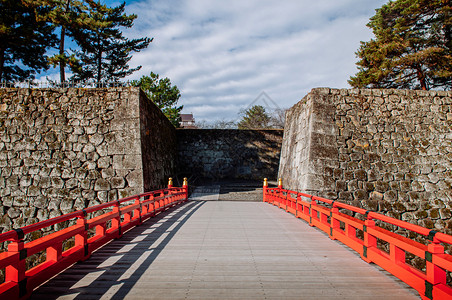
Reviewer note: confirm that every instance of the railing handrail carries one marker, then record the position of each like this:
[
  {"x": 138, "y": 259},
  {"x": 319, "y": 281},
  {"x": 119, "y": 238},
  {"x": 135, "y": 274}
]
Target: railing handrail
[
  {"x": 324, "y": 214},
  {"x": 441, "y": 237},
  {"x": 12, "y": 234},
  {"x": 20, "y": 282}
]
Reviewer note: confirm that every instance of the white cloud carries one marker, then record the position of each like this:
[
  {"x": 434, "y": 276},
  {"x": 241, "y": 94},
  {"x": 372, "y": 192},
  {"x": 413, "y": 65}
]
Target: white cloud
[{"x": 223, "y": 54}]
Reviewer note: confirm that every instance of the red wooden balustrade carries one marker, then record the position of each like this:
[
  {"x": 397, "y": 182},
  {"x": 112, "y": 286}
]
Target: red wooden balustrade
[
  {"x": 108, "y": 221},
  {"x": 329, "y": 216}
]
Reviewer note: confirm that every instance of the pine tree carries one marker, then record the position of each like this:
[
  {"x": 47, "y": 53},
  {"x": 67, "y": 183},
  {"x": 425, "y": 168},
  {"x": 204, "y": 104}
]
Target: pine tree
[
  {"x": 412, "y": 48},
  {"x": 70, "y": 16},
  {"x": 24, "y": 40},
  {"x": 163, "y": 94},
  {"x": 105, "y": 52},
  {"x": 255, "y": 118}
]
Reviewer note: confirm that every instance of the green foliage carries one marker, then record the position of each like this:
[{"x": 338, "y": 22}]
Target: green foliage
[
  {"x": 412, "y": 48},
  {"x": 71, "y": 17},
  {"x": 27, "y": 31},
  {"x": 24, "y": 40},
  {"x": 255, "y": 118},
  {"x": 105, "y": 53},
  {"x": 163, "y": 94}
]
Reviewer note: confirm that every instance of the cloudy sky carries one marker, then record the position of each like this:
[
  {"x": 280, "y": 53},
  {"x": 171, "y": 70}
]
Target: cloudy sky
[{"x": 223, "y": 54}]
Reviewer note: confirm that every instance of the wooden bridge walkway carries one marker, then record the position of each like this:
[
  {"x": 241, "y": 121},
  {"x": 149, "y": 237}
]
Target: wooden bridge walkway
[{"x": 224, "y": 250}]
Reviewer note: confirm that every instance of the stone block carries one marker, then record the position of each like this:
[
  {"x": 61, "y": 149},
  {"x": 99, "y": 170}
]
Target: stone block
[
  {"x": 90, "y": 130},
  {"x": 376, "y": 196},
  {"x": 373, "y": 175},
  {"x": 71, "y": 183},
  {"x": 381, "y": 186},
  {"x": 135, "y": 179},
  {"x": 101, "y": 184},
  {"x": 14, "y": 213},
  {"x": 445, "y": 213},
  {"x": 108, "y": 173},
  {"x": 390, "y": 195},
  {"x": 57, "y": 182},
  {"x": 117, "y": 182},
  {"x": 118, "y": 162},
  {"x": 132, "y": 162},
  {"x": 102, "y": 150},
  {"x": 314, "y": 182},
  {"x": 96, "y": 139},
  {"x": 42, "y": 214},
  {"x": 88, "y": 148},
  {"x": 360, "y": 175},
  {"x": 417, "y": 186},
  {"x": 370, "y": 204},
  {"x": 104, "y": 162},
  {"x": 34, "y": 191},
  {"x": 39, "y": 202},
  {"x": 30, "y": 212},
  {"x": 320, "y": 151},
  {"x": 360, "y": 195}
]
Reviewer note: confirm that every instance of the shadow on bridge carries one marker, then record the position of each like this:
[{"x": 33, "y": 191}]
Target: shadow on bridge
[{"x": 113, "y": 270}]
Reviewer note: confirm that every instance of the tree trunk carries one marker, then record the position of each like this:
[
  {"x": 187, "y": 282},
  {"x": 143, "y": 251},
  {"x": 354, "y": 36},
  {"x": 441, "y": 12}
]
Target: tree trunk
[
  {"x": 2, "y": 63},
  {"x": 421, "y": 78},
  {"x": 62, "y": 57},
  {"x": 98, "y": 61},
  {"x": 447, "y": 29},
  {"x": 99, "y": 64},
  {"x": 62, "y": 63}
]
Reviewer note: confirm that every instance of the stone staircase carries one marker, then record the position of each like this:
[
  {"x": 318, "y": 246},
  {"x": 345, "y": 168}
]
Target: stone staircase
[{"x": 228, "y": 191}]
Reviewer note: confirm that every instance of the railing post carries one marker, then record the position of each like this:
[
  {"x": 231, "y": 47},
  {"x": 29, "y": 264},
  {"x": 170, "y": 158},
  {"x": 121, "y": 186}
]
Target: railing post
[
  {"x": 297, "y": 205},
  {"x": 264, "y": 188},
  {"x": 15, "y": 272},
  {"x": 116, "y": 221},
  {"x": 145, "y": 208},
  {"x": 324, "y": 219},
  {"x": 335, "y": 224},
  {"x": 170, "y": 192},
  {"x": 312, "y": 209},
  {"x": 81, "y": 239},
  {"x": 397, "y": 254},
  {"x": 54, "y": 252},
  {"x": 100, "y": 230},
  {"x": 152, "y": 197},
  {"x": 369, "y": 240},
  {"x": 185, "y": 187},
  {"x": 435, "y": 274},
  {"x": 138, "y": 212},
  {"x": 280, "y": 192}
]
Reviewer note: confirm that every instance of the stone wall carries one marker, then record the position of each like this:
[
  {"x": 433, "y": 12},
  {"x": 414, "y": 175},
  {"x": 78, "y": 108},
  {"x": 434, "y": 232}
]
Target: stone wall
[
  {"x": 158, "y": 146},
  {"x": 66, "y": 149},
  {"x": 229, "y": 153},
  {"x": 384, "y": 150}
]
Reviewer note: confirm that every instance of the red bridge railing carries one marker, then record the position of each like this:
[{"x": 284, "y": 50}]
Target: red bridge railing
[
  {"x": 364, "y": 237},
  {"x": 95, "y": 226}
]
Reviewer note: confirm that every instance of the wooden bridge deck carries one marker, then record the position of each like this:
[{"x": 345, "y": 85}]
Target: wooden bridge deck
[{"x": 224, "y": 250}]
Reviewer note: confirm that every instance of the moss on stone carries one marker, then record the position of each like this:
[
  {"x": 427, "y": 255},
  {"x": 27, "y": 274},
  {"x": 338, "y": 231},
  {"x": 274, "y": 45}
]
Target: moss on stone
[
  {"x": 399, "y": 207},
  {"x": 434, "y": 213},
  {"x": 421, "y": 214}
]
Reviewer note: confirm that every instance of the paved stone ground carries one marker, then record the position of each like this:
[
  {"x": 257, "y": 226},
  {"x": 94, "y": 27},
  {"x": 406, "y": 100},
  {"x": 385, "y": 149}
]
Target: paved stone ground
[{"x": 224, "y": 250}]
